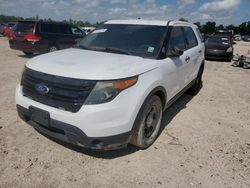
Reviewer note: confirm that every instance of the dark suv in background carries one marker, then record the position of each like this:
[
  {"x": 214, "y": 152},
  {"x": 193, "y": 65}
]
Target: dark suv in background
[
  {"x": 219, "y": 47},
  {"x": 41, "y": 37}
]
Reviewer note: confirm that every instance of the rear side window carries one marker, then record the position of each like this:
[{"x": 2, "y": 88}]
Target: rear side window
[
  {"x": 177, "y": 39},
  {"x": 55, "y": 28},
  {"x": 191, "y": 38},
  {"x": 25, "y": 27}
]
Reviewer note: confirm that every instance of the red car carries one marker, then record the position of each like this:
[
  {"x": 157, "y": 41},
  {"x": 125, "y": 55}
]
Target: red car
[{"x": 8, "y": 29}]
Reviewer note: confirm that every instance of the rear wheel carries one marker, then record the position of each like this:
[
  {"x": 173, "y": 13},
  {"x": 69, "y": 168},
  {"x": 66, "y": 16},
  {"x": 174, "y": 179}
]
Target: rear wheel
[
  {"x": 148, "y": 121},
  {"x": 197, "y": 84},
  {"x": 229, "y": 59},
  {"x": 52, "y": 48}
]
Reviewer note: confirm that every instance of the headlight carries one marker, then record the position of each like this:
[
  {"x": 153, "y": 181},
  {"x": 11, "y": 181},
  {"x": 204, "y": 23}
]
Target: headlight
[
  {"x": 105, "y": 91},
  {"x": 230, "y": 49}
]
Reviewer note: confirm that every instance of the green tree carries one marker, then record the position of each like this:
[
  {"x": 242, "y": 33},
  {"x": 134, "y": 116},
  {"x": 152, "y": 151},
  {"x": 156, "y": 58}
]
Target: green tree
[
  {"x": 183, "y": 19},
  {"x": 243, "y": 28},
  {"x": 220, "y": 27},
  {"x": 209, "y": 27}
]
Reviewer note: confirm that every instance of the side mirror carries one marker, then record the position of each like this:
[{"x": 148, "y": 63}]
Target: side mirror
[{"x": 176, "y": 52}]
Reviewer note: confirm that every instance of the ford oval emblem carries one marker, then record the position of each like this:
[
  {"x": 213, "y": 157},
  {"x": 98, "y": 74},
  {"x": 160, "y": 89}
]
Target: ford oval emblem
[{"x": 42, "y": 89}]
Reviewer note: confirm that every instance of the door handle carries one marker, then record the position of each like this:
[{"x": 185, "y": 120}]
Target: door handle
[
  {"x": 200, "y": 51},
  {"x": 187, "y": 59}
]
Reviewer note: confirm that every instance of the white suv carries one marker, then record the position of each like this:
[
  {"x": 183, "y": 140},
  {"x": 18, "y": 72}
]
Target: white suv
[{"x": 112, "y": 87}]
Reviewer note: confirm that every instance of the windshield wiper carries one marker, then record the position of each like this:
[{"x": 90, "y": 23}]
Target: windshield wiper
[
  {"x": 107, "y": 49},
  {"x": 117, "y": 50},
  {"x": 83, "y": 47}
]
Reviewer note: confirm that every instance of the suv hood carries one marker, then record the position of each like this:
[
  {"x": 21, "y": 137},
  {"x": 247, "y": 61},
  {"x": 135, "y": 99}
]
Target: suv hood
[{"x": 92, "y": 65}]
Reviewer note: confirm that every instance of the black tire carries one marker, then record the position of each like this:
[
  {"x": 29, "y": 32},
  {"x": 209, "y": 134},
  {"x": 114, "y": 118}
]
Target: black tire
[
  {"x": 229, "y": 59},
  {"x": 28, "y": 53},
  {"x": 52, "y": 48},
  {"x": 148, "y": 122},
  {"x": 196, "y": 87}
]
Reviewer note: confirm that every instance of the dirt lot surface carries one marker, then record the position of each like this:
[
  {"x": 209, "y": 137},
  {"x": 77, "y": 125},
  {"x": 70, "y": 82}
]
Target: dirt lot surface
[{"x": 205, "y": 140}]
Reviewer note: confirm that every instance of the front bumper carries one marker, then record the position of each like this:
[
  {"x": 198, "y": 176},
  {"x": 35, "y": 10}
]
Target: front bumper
[
  {"x": 218, "y": 54},
  {"x": 73, "y": 135},
  {"x": 101, "y": 122},
  {"x": 103, "y": 126}
]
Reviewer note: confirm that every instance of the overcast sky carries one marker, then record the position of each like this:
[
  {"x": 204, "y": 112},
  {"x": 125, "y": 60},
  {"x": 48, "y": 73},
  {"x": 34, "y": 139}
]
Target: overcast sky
[{"x": 221, "y": 11}]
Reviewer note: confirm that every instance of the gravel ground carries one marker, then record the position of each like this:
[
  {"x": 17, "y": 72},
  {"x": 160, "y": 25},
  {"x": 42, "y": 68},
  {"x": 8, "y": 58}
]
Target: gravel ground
[{"x": 205, "y": 140}]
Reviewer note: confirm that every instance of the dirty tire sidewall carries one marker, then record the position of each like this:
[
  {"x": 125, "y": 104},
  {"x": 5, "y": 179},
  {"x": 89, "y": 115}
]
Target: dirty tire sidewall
[{"x": 140, "y": 140}]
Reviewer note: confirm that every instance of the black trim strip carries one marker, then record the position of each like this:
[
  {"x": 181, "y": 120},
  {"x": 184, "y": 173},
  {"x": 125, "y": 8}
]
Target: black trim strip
[{"x": 178, "y": 95}]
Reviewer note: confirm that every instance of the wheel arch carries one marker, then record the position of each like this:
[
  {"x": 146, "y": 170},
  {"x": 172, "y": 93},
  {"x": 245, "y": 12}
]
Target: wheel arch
[
  {"x": 159, "y": 91},
  {"x": 53, "y": 44}
]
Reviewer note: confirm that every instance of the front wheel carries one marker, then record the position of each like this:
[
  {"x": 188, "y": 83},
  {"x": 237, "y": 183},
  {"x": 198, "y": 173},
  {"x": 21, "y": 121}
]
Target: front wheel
[{"x": 148, "y": 123}]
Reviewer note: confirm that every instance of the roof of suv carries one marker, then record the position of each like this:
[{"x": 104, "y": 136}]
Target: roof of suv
[
  {"x": 149, "y": 22},
  {"x": 41, "y": 21}
]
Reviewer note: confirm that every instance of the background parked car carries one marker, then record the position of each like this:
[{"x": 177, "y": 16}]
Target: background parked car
[
  {"x": 237, "y": 37},
  {"x": 246, "y": 38},
  {"x": 8, "y": 29},
  {"x": 226, "y": 33},
  {"x": 40, "y": 37},
  {"x": 2, "y": 27},
  {"x": 218, "y": 47}
]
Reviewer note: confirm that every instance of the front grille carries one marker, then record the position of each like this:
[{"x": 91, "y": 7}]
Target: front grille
[{"x": 64, "y": 93}]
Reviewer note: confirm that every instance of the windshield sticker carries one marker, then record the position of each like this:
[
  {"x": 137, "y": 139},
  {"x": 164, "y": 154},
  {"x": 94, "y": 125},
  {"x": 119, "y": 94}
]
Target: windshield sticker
[
  {"x": 99, "y": 31},
  {"x": 151, "y": 49}
]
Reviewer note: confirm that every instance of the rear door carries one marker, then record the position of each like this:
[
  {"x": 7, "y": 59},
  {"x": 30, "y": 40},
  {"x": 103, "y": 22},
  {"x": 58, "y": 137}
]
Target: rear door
[
  {"x": 65, "y": 36},
  {"x": 56, "y": 34}
]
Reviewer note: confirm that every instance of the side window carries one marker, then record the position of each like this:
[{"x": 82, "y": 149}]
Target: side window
[
  {"x": 191, "y": 38},
  {"x": 63, "y": 29},
  {"x": 177, "y": 40},
  {"x": 55, "y": 28},
  {"x": 75, "y": 31},
  {"x": 46, "y": 28}
]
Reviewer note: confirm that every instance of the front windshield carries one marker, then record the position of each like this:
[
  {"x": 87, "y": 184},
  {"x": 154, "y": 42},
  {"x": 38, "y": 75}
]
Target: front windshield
[{"x": 138, "y": 40}]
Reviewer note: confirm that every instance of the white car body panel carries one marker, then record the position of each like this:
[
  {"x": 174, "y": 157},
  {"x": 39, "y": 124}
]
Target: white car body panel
[
  {"x": 106, "y": 119},
  {"x": 92, "y": 65}
]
